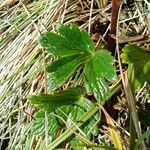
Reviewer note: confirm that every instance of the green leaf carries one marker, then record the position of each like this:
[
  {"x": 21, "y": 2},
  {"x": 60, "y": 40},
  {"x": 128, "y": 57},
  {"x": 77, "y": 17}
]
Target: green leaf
[
  {"x": 50, "y": 102},
  {"x": 68, "y": 41},
  {"x": 91, "y": 127},
  {"x": 77, "y": 38},
  {"x": 140, "y": 60},
  {"x": 38, "y": 123},
  {"x": 59, "y": 63},
  {"x": 76, "y": 112},
  {"x": 75, "y": 48},
  {"x": 63, "y": 68},
  {"x": 97, "y": 69},
  {"x": 77, "y": 144}
]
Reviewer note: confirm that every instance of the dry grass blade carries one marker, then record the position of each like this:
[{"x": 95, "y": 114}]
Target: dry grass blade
[{"x": 113, "y": 131}]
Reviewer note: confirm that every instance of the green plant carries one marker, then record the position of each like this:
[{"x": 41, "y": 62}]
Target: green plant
[
  {"x": 138, "y": 71},
  {"x": 90, "y": 68},
  {"x": 75, "y": 51},
  {"x": 138, "y": 61}
]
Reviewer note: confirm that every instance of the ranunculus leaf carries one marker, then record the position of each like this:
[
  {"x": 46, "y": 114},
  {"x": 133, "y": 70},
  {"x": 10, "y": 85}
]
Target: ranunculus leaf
[{"x": 75, "y": 48}]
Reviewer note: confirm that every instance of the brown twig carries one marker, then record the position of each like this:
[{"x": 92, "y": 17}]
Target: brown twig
[{"x": 114, "y": 17}]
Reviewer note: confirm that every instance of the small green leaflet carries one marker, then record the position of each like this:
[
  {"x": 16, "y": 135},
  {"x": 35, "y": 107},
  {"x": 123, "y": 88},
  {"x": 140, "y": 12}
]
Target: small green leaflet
[
  {"x": 50, "y": 102},
  {"x": 38, "y": 123},
  {"x": 139, "y": 59},
  {"x": 68, "y": 41},
  {"x": 72, "y": 112},
  {"x": 63, "y": 68},
  {"x": 76, "y": 112},
  {"x": 75, "y": 49},
  {"x": 97, "y": 69}
]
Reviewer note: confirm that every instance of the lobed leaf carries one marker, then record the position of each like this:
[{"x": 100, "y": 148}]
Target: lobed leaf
[{"x": 75, "y": 48}]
